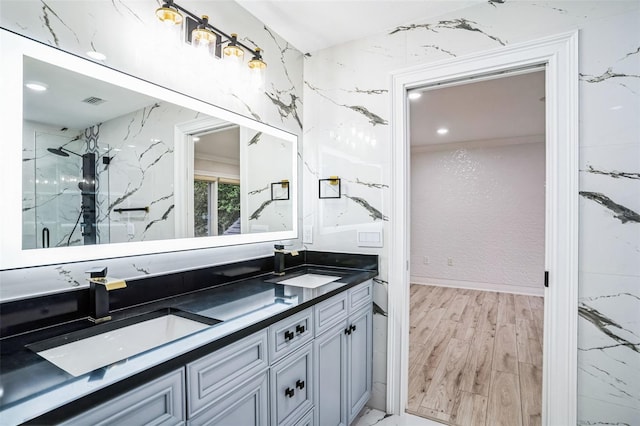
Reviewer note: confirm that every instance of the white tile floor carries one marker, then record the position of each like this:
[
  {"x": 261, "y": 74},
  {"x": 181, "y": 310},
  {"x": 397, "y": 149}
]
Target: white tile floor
[{"x": 370, "y": 417}]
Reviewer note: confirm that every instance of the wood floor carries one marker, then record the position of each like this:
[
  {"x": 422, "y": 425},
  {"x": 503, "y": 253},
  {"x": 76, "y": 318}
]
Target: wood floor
[{"x": 475, "y": 357}]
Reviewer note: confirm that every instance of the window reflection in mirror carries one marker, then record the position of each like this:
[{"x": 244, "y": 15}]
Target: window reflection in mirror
[{"x": 216, "y": 188}]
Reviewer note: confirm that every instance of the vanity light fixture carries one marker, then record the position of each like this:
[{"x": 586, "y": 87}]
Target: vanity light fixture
[
  {"x": 280, "y": 190},
  {"x": 232, "y": 50},
  {"x": 206, "y": 35},
  {"x": 442, "y": 131},
  {"x": 330, "y": 188},
  {"x": 169, "y": 15},
  {"x": 202, "y": 37}
]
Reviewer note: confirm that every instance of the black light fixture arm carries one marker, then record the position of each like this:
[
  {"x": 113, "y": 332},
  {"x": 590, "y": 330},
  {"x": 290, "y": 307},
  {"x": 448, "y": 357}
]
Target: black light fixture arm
[{"x": 171, "y": 3}]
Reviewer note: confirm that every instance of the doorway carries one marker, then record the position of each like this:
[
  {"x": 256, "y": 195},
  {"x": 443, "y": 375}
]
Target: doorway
[
  {"x": 559, "y": 53},
  {"x": 477, "y": 249}
]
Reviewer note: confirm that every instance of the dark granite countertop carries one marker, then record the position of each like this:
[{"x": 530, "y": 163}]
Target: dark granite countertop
[{"x": 31, "y": 386}]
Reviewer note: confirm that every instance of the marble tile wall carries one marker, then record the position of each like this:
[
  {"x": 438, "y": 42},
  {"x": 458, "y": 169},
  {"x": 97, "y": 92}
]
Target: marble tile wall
[
  {"x": 346, "y": 133},
  {"x": 135, "y": 42}
]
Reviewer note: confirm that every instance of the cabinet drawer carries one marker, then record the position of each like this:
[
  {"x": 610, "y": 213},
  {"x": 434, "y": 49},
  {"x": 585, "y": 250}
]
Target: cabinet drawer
[
  {"x": 330, "y": 312},
  {"x": 216, "y": 374},
  {"x": 159, "y": 402},
  {"x": 307, "y": 420},
  {"x": 291, "y": 387},
  {"x": 247, "y": 405},
  {"x": 290, "y": 334},
  {"x": 360, "y": 295}
]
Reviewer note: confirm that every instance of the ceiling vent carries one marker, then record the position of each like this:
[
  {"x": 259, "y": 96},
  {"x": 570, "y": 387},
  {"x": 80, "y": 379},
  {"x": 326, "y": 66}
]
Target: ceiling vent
[{"x": 94, "y": 100}]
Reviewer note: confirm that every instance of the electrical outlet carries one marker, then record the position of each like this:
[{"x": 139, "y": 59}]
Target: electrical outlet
[
  {"x": 425, "y": 260},
  {"x": 450, "y": 261},
  {"x": 307, "y": 234}
]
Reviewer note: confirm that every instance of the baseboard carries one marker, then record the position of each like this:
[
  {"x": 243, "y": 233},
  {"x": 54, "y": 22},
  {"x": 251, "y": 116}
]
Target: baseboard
[{"x": 471, "y": 285}]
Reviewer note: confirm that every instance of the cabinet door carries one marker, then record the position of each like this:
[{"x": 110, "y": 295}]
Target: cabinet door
[
  {"x": 359, "y": 361},
  {"x": 330, "y": 350},
  {"x": 247, "y": 405},
  {"x": 292, "y": 387},
  {"x": 160, "y": 402},
  {"x": 216, "y": 374}
]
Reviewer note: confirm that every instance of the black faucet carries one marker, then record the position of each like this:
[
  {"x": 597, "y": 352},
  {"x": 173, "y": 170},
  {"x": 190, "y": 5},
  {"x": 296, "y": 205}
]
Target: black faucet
[
  {"x": 99, "y": 288},
  {"x": 278, "y": 259}
]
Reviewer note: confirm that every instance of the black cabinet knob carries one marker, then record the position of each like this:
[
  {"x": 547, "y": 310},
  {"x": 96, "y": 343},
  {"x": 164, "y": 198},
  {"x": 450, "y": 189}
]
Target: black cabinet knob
[
  {"x": 288, "y": 335},
  {"x": 347, "y": 330},
  {"x": 300, "y": 328},
  {"x": 289, "y": 392},
  {"x": 353, "y": 327},
  {"x": 300, "y": 384}
]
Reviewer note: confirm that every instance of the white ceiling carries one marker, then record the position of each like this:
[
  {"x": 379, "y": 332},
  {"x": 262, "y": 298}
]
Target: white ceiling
[
  {"x": 61, "y": 105},
  {"x": 507, "y": 107},
  {"x": 311, "y": 25}
]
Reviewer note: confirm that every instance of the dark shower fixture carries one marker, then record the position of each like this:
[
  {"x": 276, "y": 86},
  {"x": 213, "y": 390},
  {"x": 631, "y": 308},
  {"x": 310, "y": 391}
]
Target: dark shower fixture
[
  {"x": 88, "y": 191},
  {"x": 62, "y": 152}
]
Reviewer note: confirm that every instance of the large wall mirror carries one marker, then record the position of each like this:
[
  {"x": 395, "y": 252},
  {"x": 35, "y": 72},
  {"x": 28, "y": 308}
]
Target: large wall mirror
[{"x": 99, "y": 164}]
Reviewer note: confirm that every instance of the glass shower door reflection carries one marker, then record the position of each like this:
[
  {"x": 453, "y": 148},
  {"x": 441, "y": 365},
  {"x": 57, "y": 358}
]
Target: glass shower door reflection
[{"x": 62, "y": 198}]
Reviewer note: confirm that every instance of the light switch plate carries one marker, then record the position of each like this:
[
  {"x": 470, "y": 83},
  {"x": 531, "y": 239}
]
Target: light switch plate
[
  {"x": 370, "y": 238},
  {"x": 307, "y": 234}
]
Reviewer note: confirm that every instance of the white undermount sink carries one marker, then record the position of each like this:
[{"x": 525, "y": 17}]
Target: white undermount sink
[
  {"x": 90, "y": 353},
  {"x": 309, "y": 280}
]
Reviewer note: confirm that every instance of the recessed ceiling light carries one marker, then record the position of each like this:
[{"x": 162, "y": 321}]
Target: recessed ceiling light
[
  {"x": 196, "y": 139},
  {"x": 96, "y": 55},
  {"x": 36, "y": 87},
  {"x": 442, "y": 131},
  {"x": 415, "y": 95}
]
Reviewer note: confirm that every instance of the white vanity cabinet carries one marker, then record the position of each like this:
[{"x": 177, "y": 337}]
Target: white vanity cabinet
[
  {"x": 343, "y": 355},
  {"x": 159, "y": 402},
  {"x": 311, "y": 368}
]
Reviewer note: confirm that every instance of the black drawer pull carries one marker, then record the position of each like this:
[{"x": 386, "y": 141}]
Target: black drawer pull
[
  {"x": 288, "y": 335},
  {"x": 300, "y": 384},
  {"x": 347, "y": 330},
  {"x": 289, "y": 392},
  {"x": 352, "y": 328},
  {"x": 300, "y": 328}
]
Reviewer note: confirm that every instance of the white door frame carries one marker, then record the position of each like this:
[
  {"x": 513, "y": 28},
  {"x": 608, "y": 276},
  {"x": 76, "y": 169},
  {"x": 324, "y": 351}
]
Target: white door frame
[{"x": 560, "y": 54}]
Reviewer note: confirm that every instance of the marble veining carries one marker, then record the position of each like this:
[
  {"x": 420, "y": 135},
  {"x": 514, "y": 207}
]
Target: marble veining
[
  {"x": 371, "y": 184},
  {"x": 247, "y": 106},
  {"x": 373, "y": 212},
  {"x": 140, "y": 269},
  {"x": 255, "y": 139},
  {"x": 119, "y": 3},
  {"x": 285, "y": 110},
  {"x": 377, "y": 310},
  {"x": 164, "y": 217},
  {"x": 67, "y": 276},
  {"x": 374, "y": 119},
  {"x": 440, "y": 49},
  {"x": 614, "y": 174},
  {"x": 46, "y": 9},
  {"x": 622, "y": 213},
  {"x": 283, "y": 51},
  {"x": 459, "y": 24},
  {"x": 256, "y": 214},
  {"x": 368, "y": 92},
  {"x": 609, "y": 327},
  {"x": 257, "y": 191}
]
